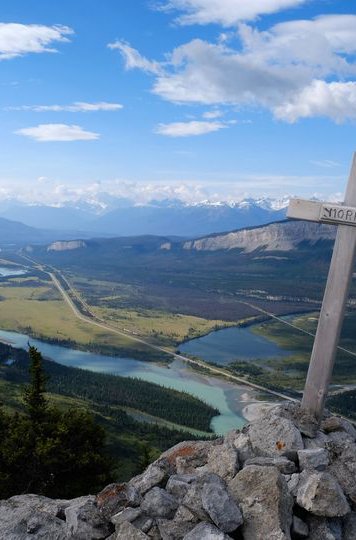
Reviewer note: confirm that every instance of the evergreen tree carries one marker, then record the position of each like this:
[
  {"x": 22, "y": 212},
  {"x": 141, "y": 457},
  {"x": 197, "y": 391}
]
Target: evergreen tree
[{"x": 34, "y": 393}]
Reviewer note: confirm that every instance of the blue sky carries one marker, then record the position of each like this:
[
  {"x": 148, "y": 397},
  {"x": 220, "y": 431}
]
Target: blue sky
[{"x": 192, "y": 99}]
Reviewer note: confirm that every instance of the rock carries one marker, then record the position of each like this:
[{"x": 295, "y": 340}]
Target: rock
[
  {"x": 153, "y": 476},
  {"x": 293, "y": 484},
  {"x": 186, "y": 456},
  {"x": 33, "y": 511},
  {"x": 144, "y": 523},
  {"x": 205, "y": 531},
  {"x": 178, "y": 485},
  {"x": 115, "y": 497},
  {"x": 84, "y": 520},
  {"x": 314, "y": 458},
  {"x": 159, "y": 503},
  {"x": 128, "y": 514},
  {"x": 129, "y": 532},
  {"x": 272, "y": 435},
  {"x": 321, "y": 440},
  {"x": 221, "y": 507},
  {"x": 266, "y": 504},
  {"x": 222, "y": 460},
  {"x": 184, "y": 521},
  {"x": 320, "y": 494},
  {"x": 335, "y": 423},
  {"x": 243, "y": 446},
  {"x": 343, "y": 466},
  {"x": 193, "y": 498},
  {"x": 350, "y": 527},
  {"x": 282, "y": 463},
  {"x": 325, "y": 529},
  {"x": 299, "y": 528}
]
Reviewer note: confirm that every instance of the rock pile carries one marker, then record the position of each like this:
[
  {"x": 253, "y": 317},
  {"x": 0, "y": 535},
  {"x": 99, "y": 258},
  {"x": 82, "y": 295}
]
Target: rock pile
[{"x": 277, "y": 479}]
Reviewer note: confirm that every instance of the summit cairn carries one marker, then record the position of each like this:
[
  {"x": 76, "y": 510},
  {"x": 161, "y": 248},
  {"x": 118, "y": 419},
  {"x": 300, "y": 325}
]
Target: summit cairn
[{"x": 336, "y": 292}]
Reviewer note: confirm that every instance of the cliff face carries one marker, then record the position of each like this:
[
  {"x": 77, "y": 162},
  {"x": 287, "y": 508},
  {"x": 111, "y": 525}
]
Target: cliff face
[
  {"x": 279, "y": 478},
  {"x": 66, "y": 246},
  {"x": 283, "y": 236}
]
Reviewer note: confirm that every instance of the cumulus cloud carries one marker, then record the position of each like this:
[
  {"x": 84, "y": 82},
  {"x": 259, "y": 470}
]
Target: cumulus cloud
[
  {"x": 226, "y": 12},
  {"x": 295, "y": 69},
  {"x": 20, "y": 39},
  {"x": 188, "y": 129},
  {"x": 77, "y": 106},
  {"x": 133, "y": 59},
  {"x": 336, "y": 100},
  {"x": 57, "y": 132}
]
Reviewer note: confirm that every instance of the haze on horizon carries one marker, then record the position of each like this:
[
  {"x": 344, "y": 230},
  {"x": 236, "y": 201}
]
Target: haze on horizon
[{"x": 179, "y": 99}]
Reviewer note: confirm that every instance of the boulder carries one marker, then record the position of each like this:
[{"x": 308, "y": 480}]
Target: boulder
[
  {"x": 320, "y": 494},
  {"x": 336, "y": 423},
  {"x": 178, "y": 485},
  {"x": 221, "y": 507},
  {"x": 222, "y": 460},
  {"x": 266, "y": 504},
  {"x": 299, "y": 528},
  {"x": 127, "y": 531},
  {"x": 350, "y": 527},
  {"x": 313, "y": 458},
  {"x": 193, "y": 498},
  {"x": 186, "y": 456},
  {"x": 128, "y": 514},
  {"x": 159, "y": 503},
  {"x": 84, "y": 520},
  {"x": 284, "y": 465},
  {"x": 321, "y": 440},
  {"x": 293, "y": 484},
  {"x": 205, "y": 531},
  {"x": 343, "y": 465},
  {"x": 241, "y": 441},
  {"x": 325, "y": 529},
  {"x": 184, "y": 521},
  {"x": 115, "y": 497},
  {"x": 154, "y": 475},
  {"x": 271, "y": 435}
]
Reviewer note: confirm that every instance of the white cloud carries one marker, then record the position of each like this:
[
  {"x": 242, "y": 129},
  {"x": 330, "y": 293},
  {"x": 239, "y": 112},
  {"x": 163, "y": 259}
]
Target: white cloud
[
  {"x": 77, "y": 106},
  {"x": 133, "y": 59},
  {"x": 57, "y": 132},
  {"x": 210, "y": 115},
  {"x": 295, "y": 69},
  {"x": 226, "y": 12},
  {"x": 336, "y": 100},
  {"x": 20, "y": 39},
  {"x": 188, "y": 129},
  {"x": 326, "y": 163}
]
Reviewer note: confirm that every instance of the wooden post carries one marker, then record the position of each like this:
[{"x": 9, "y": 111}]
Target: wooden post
[{"x": 335, "y": 297}]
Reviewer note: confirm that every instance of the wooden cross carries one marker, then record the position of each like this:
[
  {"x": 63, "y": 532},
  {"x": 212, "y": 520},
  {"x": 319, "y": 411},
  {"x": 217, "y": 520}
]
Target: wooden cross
[{"x": 336, "y": 292}]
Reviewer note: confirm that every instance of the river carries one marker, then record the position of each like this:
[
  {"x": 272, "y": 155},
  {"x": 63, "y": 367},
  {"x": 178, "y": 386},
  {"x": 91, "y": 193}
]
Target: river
[
  {"x": 230, "y": 399},
  {"x": 8, "y": 271}
]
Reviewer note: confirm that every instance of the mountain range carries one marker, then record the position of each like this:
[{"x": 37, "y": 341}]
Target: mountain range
[{"x": 168, "y": 217}]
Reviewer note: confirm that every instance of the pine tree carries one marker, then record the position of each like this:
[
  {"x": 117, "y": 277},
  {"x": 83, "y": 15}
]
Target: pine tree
[{"x": 34, "y": 393}]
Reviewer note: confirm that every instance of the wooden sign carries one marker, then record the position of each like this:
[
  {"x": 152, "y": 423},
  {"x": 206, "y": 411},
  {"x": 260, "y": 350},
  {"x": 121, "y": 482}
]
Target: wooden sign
[{"x": 336, "y": 291}]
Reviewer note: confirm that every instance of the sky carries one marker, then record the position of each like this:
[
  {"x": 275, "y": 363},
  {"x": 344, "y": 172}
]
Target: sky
[{"x": 188, "y": 99}]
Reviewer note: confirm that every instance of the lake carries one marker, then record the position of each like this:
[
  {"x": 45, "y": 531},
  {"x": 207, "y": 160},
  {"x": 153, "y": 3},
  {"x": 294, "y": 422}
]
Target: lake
[
  {"x": 228, "y": 398},
  {"x": 235, "y": 343},
  {"x": 7, "y": 271}
]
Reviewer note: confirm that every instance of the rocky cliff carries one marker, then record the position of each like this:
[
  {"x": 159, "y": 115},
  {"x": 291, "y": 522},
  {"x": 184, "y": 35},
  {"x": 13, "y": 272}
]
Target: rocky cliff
[
  {"x": 277, "y": 479},
  {"x": 66, "y": 245},
  {"x": 281, "y": 236}
]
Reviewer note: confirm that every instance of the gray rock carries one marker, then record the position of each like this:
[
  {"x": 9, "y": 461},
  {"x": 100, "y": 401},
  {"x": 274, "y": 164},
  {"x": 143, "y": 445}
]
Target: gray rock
[
  {"x": 350, "y": 527},
  {"x": 272, "y": 435},
  {"x": 115, "y": 497},
  {"x": 223, "y": 460},
  {"x": 193, "y": 498},
  {"x": 128, "y": 532},
  {"x": 343, "y": 466},
  {"x": 154, "y": 533},
  {"x": 184, "y": 521},
  {"x": 313, "y": 458},
  {"x": 335, "y": 423},
  {"x": 282, "y": 463},
  {"x": 325, "y": 529},
  {"x": 159, "y": 503},
  {"x": 186, "y": 456},
  {"x": 293, "y": 484},
  {"x": 205, "y": 531},
  {"x": 33, "y": 511},
  {"x": 299, "y": 528},
  {"x": 143, "y": 522},
  {"x": 153, "y": 476},
  {"x": 84, "y": 520},
  {"x": 221, "y": 507},
  {"x": 266, "y": 504},
  {"x": 320, "y": 494},
  {"x": 128, "y": 514},
  {"x": 321, "y": 440},
  {"x": 178, "y": 485},
  {"x": 243, "y": 446}
]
